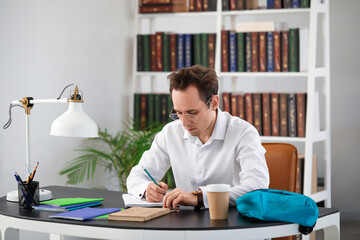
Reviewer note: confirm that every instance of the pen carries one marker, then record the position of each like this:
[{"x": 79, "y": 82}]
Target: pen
[
  {"x": 18, "y": 179},
  {"x": 150, "y": 176}
]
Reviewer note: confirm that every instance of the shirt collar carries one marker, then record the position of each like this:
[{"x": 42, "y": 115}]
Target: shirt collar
[{"x": 218, "y": 131}]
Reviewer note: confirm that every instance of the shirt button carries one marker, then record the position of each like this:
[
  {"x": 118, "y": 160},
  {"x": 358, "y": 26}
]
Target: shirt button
[{"x": 140, "y": 195}]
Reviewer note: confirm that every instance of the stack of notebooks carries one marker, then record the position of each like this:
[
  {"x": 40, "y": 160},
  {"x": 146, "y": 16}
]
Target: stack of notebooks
[{"x": 68, "y": 204}]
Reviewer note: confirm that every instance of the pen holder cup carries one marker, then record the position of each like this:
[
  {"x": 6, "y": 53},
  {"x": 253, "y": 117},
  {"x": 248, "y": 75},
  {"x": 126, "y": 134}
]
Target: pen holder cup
[{"x": 28, "y": 194}]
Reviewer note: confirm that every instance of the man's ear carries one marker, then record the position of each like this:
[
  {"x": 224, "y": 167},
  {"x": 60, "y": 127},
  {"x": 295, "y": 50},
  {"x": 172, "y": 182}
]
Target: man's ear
[{"x": 214, "y": 102}]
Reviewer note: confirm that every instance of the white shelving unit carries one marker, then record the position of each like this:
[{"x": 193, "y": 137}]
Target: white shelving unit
[{"x": 316, "y": 80}]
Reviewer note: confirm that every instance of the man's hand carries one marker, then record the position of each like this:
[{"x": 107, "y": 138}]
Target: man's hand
[
  {"x": 179, "y": 197},
  {"x": 154, "y": 193}
]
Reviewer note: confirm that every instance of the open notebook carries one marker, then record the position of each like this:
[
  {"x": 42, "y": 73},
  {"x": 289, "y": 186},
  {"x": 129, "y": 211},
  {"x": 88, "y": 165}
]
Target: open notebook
[{"x": 131, "y": 201}]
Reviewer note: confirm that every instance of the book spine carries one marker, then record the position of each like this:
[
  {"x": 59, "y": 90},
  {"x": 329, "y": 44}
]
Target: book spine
[
  {"x": 254, "y": 51},
  {"x": 277, "y": 52},
  {"x": 192, "y": 5},
  {"x": 159, "y": 51},
  {"x": 205, "y": 5},
  {"x": 283, "y": 114},
  {"x": 140, "y": 52},
  {"x": 153, "y": 66},
  {"x": 241, "y": 106},
  {"x": 262, "y": 52},
  {"x": 157, "y": 108},
  {"x": 212, "y": 5},
  {"x": 294, "y": 60},
  {"x": 305, "y": 3},
  {"x": 257, "y": 112},
  {"x": 274, "y": 114},
  {"x": 136, "y": 111},
  {"x": 143, "y": 111},
  {"x": 277, "y": 4},
  {"x": 248, "y": 52},
  {"x": 249, "y": 110},
  {"x": 234, "y": 104},
  {"x": 173, "y": 44},
  {"x": 240, "y": 4},
  {"x": 232, "y": 51},
  {"x": 198, "y": 6},
  {"x": 225, "y": 5},
  {"x": 287, "y": 4},
  {"x": 266, "y": 114},
  {"x": 226, "y": 102},
  {"x": 295, "y": 3},
  {"x": 301, "y": 113},
  {"x": 204, "y": 50},
  {"x": 252, "y": 4},
  {"x": 151, "y": 2},
  {"x": 211, "y": 45},
  {"x": 188, "y": 58},
  {"x": 285, "y": 50},
  {"x": 232, "y": 5},
  {"x": 270, "y": 4},
  {"x": 240, "y": 52},
  {"x": 180, "y": 51},
  {"x": 224, "y": 50},
  {"x": 270, "y": 51},
  {"x": 197, "y": 48},
  {"x": 169, "y": 105},
  {"x": 166, "y": 52},
  {"x": 163, "y": 108},
  {"x": 150, "y": 110},
  {"x": 292, "y": 115},
  {"x": 147, "y": 52}
]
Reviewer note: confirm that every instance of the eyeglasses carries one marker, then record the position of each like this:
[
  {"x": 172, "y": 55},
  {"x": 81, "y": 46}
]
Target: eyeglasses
[{"x": 188, "y": 116}]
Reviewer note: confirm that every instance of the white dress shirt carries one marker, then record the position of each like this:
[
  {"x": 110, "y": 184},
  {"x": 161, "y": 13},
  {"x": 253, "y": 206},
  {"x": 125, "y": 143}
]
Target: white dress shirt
[{"x": 232, "y": 155}]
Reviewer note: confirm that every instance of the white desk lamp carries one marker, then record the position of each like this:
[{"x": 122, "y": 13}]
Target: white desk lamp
[{"x": 73, "y": 123}]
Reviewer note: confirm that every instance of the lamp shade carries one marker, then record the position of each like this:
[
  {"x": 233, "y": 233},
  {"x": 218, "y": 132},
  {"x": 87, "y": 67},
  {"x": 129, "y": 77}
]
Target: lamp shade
[{"x": 74, "y": 123}]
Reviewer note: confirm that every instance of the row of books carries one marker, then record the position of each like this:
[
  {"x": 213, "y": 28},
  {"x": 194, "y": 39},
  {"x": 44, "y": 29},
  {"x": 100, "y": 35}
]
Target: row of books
[
  {"x": 272, "y": 114},
  {"x": 233, "y": 5},
  {"x": 151, "y": 109},
  {"x": 165, "y": 6},
  {"x": 275, "y": 51},
  {"x": 167, "y": 52}
]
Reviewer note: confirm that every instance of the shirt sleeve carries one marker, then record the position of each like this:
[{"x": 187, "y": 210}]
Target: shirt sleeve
[{"x": 155, "y": 160}]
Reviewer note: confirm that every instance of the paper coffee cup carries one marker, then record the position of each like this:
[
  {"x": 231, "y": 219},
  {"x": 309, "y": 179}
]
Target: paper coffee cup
[{"x": 218, "y": 199}]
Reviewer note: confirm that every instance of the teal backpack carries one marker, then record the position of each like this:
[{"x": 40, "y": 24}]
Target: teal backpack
[{"x": 278, "y": 205}]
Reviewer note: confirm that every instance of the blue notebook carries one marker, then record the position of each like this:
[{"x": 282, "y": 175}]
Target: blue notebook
[
  {"x": 85, "y": 213},
  {"x": 47, "y": 207}
]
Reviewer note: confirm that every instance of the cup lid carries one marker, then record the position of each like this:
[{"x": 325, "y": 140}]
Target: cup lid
[{"x": 218, "y": 188}]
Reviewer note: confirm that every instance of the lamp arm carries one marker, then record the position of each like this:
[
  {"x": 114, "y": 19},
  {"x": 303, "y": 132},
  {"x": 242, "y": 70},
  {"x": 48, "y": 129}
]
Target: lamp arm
[{"x": 35, "y": 101}]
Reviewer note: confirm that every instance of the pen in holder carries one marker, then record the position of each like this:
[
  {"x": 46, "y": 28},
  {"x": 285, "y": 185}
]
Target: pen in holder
[{"x": 28, "y": 194}]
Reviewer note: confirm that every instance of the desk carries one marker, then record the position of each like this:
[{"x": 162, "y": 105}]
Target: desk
[{"x": 185, "y": 224}]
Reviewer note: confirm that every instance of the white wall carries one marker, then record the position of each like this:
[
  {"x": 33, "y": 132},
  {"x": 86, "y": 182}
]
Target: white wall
[
  {"x": 345, "y": 114},
  {"x": 47, "y": 44}
]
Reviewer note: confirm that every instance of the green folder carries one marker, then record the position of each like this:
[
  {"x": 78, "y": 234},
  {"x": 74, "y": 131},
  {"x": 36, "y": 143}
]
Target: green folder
[{"x": 70, "y": 201}]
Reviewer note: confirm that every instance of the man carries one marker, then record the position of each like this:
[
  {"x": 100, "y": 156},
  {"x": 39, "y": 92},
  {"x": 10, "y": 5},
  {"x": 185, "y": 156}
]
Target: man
[{"x": 204, "y": 146}]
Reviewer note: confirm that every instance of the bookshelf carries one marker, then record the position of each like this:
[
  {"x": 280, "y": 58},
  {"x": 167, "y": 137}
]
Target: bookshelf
[{"x": 315, "y": 81}]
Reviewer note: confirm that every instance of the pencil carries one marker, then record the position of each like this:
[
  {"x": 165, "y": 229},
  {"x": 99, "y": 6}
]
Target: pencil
[{"x": 150, "y": 176}]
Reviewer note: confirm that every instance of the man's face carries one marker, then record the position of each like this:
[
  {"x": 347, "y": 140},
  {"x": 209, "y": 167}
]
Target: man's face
[{"x": 188, "y": 102}]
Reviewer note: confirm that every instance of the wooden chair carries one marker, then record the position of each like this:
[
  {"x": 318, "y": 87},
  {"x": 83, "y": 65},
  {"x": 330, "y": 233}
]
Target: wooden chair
[{"x": 282, "y": 161}]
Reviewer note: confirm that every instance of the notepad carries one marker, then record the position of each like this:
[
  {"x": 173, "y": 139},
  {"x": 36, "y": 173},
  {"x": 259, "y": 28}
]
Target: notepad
[
  {"x": 138, "y": 214},
  {"x": 85, "y": 213},
  {"x": 131, "y": 201},
  {"x": 70, "y": 201},
  {"x": 47, "y": 207}
]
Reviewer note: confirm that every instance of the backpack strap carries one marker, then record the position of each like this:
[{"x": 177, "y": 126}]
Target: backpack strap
[{"x": 306, "y": 230}]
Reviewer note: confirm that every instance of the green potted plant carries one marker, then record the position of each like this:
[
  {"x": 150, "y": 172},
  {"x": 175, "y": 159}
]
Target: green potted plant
[{"x": 117, "y": 153}]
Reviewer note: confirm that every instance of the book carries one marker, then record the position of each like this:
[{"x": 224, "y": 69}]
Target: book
[
  {"x": 173, "y": 44},
  {"x": 180, "y": 51},
  {"x": 266, "y": 117},
  {"x": 294, "y": 63},
  {"x": 277, "y": 51},
  {"x": 252, "y": 4},
  {"x": 166, "y": 52},
  {"x": 132, "y": 201},
  {"x": 224, "y": 50},
  {"x": 254, "y": 51},
  {"x": 234, "y": 104},
  {"x": 257, "y": 112},
  {"x": 138, "y": 214},
  {"x": 270, "y": 51},
  {"x": 197, "y": 48},
  {"x": 292, "y": 123},
  {"x": 301, "y": 113},
  {"x": 274, "y": 114},
  {"x": 285, "y": 51},
  {"x": 59, "y": 202},
  {"x": 283, "y": 114},
  {"x": 249, "y": 110},
  {"x": 85, "y": 213},
  {"x": 136, "y": 111},
  {"x": 211, "y": 49},
  {"x": 241, "y": 106},
  {"x": 226, "y": 101},
  {"x": 262, "y": 52},
  {"x": 153, "y": 65},
  {"x": 232, "y": 52},
  {"x": 146, "y": 53},
  {"x": 188, "y": 50},
  {"x": 159, "y": 51},
  {"x": 52, "y": 208},
  {"x": 140, "y": 52},
  {"x": 248, "y": 52},
  {"x": 287, "y": 4},
  {"x": 143, "y": 111},
  {"x": 240, "y": 51},
  {"x": 204, "y": 50}
]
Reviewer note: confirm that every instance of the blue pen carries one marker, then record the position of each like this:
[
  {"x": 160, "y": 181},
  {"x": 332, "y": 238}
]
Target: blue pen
[
  {"x": 150, "y": 176},
  {"x": 17, "y": 177}
]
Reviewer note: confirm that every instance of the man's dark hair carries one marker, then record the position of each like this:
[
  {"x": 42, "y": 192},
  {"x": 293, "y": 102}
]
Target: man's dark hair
[{"x": 204, "y": 79}]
